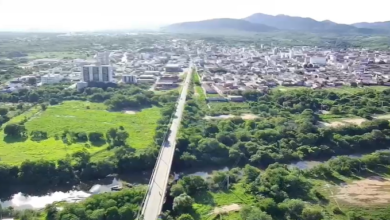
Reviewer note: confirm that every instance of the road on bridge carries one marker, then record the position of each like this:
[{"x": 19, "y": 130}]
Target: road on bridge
[{"x": 156, "y": 193}]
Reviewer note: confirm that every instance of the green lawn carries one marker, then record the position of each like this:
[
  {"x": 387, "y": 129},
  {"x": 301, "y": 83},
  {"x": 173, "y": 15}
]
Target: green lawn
[
  {"x": 74, "y": 116},
  {"x": 205, "y": 202}
]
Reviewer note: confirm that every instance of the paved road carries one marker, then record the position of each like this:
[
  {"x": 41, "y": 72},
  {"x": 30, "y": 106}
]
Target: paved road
[{"x": 157, "y": 188}]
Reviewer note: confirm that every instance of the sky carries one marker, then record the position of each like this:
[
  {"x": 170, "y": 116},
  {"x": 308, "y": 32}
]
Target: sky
[{"x": 89, "y": 15}]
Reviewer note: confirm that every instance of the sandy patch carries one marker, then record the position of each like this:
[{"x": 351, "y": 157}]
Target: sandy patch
[
  {"x": 382, "y": 116},
  {"x": 244, "y": 116},
  {"x": 372, "y": 191},
  {"x": 249, "y": 116},
  {"x": 226, "y": 209},
  {"x": 343, "y": 122},
  {"x": 355, "y": 121},
  {"x": 130, "y": 112}
]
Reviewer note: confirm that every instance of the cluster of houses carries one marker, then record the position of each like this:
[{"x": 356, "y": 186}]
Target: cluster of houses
[{"x": 224, "y": 69}]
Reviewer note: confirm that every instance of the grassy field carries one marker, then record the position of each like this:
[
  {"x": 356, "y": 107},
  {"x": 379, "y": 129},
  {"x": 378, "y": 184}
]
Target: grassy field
[
  {"x": 74, "y": 116},
  {"x": 205, "y": 202}
]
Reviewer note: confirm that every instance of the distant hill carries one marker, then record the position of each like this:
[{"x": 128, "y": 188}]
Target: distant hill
[
  {"x": 221, "y": 24},
  {"x": 375, "y": 25},
  {"x": 285, "y": 22}
]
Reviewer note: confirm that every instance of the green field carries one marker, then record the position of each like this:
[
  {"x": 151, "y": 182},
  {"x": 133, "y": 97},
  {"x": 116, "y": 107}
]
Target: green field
[
  {"x": 205, "y": 202},
  {"x": 74, "y": 116}
]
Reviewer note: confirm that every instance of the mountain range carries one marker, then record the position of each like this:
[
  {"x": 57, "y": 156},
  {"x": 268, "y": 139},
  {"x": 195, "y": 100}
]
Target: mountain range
[{"x": 266, "y": 23}]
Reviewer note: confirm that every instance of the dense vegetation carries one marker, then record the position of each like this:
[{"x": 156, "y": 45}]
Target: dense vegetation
[
  {"x": 287, "y": 129},
  {"x": 115, "y": 98},
  {"x": 278, "y": 192}
]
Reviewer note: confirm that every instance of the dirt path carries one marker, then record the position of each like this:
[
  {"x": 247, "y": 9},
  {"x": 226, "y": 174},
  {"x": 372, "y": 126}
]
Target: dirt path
[{"x": 243, "y": 116}]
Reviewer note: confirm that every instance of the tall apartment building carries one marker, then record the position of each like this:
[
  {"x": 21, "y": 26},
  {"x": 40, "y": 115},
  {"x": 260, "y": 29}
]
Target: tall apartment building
[{"x": 97, "y": 73}]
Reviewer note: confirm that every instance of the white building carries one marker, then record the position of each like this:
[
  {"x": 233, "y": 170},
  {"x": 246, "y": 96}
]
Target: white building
[
  {"x": 318, "y": 60},
  {"x": 51, "y": 79},
  {"x": 97, "y": 73}
]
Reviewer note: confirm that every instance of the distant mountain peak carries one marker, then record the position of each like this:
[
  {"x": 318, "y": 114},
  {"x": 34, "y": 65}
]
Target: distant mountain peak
[
  {"x": 382, "y": 25},
  {"x": 229, "y": 24},
  {"x": 286, "y": 22}
]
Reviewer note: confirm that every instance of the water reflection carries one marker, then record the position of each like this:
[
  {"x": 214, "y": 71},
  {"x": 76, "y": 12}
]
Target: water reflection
[
  {"x": 308, "y": 164},
  {"x": 304, "y": 165},
  {"x": 22, "y": 201}
]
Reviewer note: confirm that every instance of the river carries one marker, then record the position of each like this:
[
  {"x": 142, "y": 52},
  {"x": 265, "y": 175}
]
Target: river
[{"x": 20, "y": 201}]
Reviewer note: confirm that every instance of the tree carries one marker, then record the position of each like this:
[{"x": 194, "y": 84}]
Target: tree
[
  {"x": 3, "y": 111},
  {"x": 32, "y": 80},
  {"x": 185, "y": 217},
  {"x": 112, "y": 213},
  {"x": 193, "y": 184},
  {"x": 312, "y": 214},
  {"x": 14, "y": 130},
  {"x": 126, "y": 213},
  {"x": 252, "y": 213},
  {"x": 43, "y": 107},
  {"x": 122, "y": 136},
  {"x": 69, "y": 216},
  {"x": 292, "y": 208},
  {"x": 251, "y": 173},
  {"x": 53, "y": 101},
  {"x": 97, "y": 214},
  {"x": 51, "y": 212},
  {"x": 182, "y": 203},
  {"x": 33, "y": 97},
  {"x": 188, "y": 158},
  {"x": 95, "y": 136},
  {"x": 112, "y": 133},
  {"x": 177, "y": 190}
]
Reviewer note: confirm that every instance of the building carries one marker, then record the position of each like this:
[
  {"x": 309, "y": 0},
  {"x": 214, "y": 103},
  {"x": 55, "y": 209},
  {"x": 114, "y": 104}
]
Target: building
[
  {"x": 132, "y": 79},
  {"x": 51, "y": 79},
  {"x": 173, "y": 68},
  {"x": 169, "y": 78},
  {"x": 97, "y": 73},
  {"x": 103, "y": 58},
  {"x": 146, "y": 79},
  {"x": 166, "y": 85},
  {"x": 318, "y": 60}
]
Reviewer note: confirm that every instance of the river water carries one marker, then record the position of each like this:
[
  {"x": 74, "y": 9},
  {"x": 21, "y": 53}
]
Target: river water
[{"x": 21, "y": 201}]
